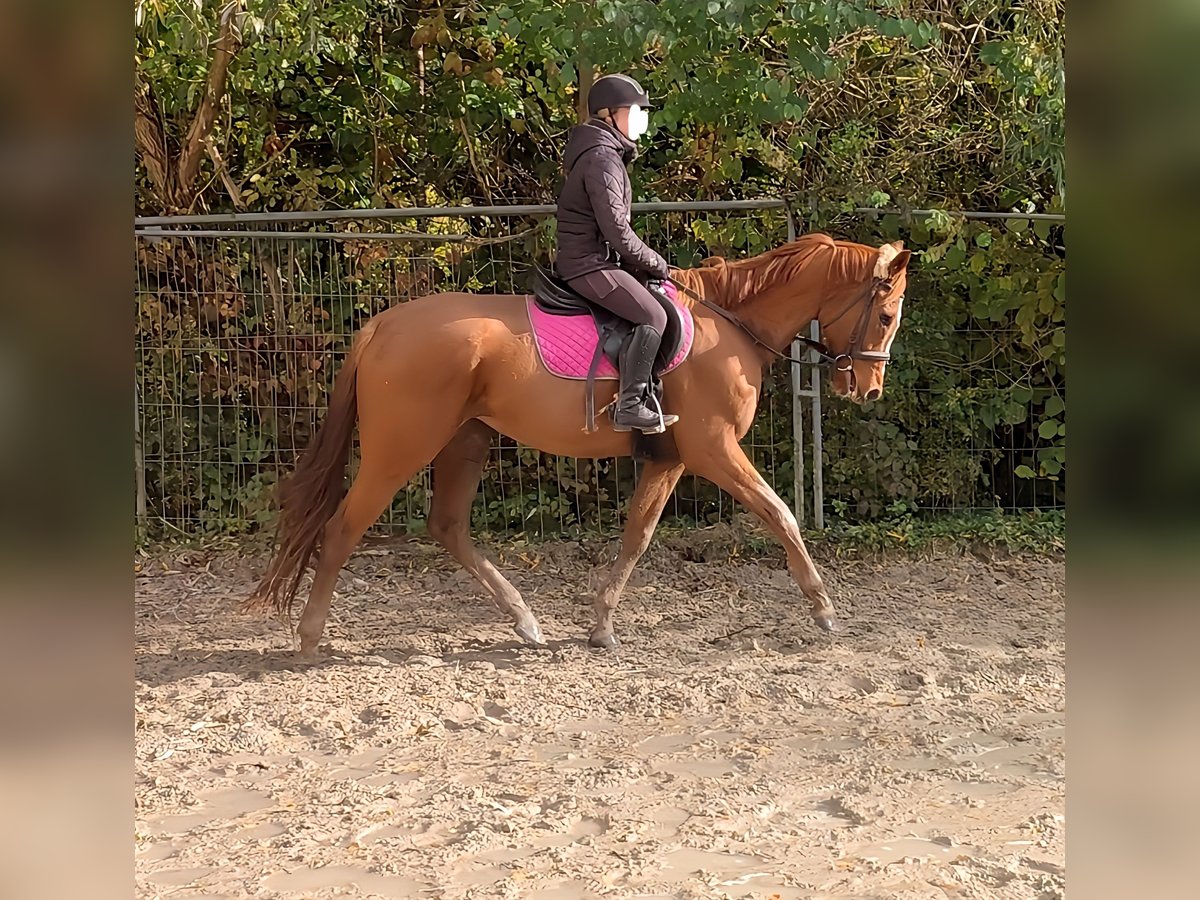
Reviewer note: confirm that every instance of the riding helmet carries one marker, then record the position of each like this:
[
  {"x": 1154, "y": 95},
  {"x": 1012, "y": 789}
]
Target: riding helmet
[{"x": 615, "y": 91}]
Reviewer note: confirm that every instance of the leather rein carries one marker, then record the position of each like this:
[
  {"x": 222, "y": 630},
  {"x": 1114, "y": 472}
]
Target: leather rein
[{"x": 842, "y": 362}]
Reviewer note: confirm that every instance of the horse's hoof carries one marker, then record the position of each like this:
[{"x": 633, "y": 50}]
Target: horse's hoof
[
  {"x": 310, "y": 654},
  {"x": 828, "y": 623},
  {"x": 603, "y": 640},
  {"x": 530, "y": 632}
]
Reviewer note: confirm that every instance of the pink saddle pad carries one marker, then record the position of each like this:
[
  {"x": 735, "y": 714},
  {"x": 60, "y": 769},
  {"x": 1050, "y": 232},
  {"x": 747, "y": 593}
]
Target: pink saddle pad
[{"x": 566, "y": 344}]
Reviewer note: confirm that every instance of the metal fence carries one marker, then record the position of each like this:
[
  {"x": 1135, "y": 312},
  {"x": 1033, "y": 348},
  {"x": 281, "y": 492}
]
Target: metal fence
[{"x": 244, "y": 320}]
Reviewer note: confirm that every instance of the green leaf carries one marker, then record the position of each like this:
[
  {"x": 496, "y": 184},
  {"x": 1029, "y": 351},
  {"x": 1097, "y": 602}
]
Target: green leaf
[
  {"x": 1015, "y": 413},
  {"x": 1024, "y": 472},
  {"x": 807, "y": 60},
  {"x": 1054, "y": 405},
  {"x": 993, "y": 52},
  {"x": 398, "y": 84},
  {"x": 1048, "y": 429}
]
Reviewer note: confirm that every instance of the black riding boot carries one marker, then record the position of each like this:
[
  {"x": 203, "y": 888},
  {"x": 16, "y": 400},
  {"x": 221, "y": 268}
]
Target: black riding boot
[{"x": 636, "y": 364}]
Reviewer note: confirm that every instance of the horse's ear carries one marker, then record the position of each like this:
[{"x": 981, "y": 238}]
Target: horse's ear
[
  {"x": 891, "y": 259},
  {"x": 899, "y": 262}
]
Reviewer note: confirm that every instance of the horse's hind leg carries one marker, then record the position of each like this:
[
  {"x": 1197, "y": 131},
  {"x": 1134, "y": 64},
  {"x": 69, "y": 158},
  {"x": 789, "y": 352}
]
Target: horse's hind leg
[
  {"x": 388, "y": 463},
  {"x": 369, "y": 495},
  {"x": 456, "y": 472}
]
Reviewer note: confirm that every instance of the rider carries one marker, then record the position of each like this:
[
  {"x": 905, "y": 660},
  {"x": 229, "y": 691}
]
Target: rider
[{"x": 597, "y": 248}]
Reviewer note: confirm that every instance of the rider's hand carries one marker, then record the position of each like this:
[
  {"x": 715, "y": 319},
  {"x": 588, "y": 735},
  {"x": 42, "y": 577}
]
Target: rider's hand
[{"x": 666, "y": 288}]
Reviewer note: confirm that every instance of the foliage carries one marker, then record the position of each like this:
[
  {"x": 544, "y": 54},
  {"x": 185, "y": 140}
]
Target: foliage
[
  {"x": 367, "y": 102},
  {"x": 1038, "y": 532},
  {"x": 364, "y": 103}
]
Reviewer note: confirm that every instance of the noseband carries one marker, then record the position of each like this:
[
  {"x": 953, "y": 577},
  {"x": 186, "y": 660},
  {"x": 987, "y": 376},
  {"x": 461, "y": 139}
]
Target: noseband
[
  {"x": 844, "y": 362},
  {"x": 841, "y": 362}
]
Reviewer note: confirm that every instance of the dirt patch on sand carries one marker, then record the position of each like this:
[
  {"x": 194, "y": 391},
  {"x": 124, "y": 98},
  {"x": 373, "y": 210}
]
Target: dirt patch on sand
[{"x": 727, "y": 749}]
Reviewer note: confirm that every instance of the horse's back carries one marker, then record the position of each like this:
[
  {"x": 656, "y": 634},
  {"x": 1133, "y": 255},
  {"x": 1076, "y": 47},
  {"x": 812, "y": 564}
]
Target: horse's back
[
  {"x": 457, "y": 311},
  {"x": 441, "y": 331}
]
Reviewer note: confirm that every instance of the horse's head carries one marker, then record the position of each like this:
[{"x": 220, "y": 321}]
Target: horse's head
[{"x": 865, "y": 320}]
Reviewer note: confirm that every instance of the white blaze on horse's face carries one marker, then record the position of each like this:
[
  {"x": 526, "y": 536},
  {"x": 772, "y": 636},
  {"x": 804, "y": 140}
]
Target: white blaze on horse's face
[
  {"x": 880, "y": 328},
  {"x": 893, "y": 330}
]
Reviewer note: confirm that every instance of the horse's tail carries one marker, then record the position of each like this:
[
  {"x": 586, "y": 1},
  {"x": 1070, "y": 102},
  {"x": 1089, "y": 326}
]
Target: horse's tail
[{"x": 310, "y": 496}]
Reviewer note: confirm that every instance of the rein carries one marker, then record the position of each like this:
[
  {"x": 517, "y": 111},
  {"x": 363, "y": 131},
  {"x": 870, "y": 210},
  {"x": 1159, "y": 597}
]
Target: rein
[{"x": 841, "y": 361}]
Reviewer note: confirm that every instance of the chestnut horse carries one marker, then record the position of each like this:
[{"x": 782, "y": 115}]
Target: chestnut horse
[{"x": 435, "y": 379}]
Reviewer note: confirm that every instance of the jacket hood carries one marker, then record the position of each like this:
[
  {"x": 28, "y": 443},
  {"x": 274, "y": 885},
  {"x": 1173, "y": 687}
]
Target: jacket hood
[{"x": 596, "y": 133}]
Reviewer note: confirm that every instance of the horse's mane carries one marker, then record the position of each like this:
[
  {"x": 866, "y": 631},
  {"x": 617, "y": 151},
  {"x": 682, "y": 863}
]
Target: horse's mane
[{"x": 728, "y": 284}]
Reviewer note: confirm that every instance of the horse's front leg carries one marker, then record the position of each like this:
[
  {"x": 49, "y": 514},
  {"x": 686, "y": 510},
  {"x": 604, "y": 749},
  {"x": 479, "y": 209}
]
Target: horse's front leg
[
  {"x": 724, "y": 463},
  {"x": 649, "y": 497}
]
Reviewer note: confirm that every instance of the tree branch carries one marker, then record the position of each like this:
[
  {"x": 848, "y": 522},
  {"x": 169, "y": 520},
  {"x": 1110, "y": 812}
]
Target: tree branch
[
  {"x": 229, "y": 41},
  {"x": 150, "y": 140},
  {"x": 487, "y": 191},
  {"x": 234, "y": 192}
]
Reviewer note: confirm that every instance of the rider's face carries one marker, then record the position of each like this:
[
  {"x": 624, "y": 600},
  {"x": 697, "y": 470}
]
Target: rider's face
[{"x": 621, "y": 119}]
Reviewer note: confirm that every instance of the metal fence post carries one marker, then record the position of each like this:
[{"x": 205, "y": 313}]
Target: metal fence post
[
  {"x": 797, "y": 407},
  {"x": 814, "y": 332},
  {"x": 139, "y": 462}
]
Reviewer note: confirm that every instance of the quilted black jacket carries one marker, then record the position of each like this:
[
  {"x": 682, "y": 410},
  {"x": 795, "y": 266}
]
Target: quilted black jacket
[{"x": 593, "y": 208}]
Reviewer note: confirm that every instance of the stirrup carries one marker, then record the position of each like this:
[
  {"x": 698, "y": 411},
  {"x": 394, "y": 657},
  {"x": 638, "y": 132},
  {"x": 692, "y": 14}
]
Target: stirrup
[
  {"x": 657, "y": 425},
  {"x": 626, "y": 429},
  {"x": 663, "y": 420}
]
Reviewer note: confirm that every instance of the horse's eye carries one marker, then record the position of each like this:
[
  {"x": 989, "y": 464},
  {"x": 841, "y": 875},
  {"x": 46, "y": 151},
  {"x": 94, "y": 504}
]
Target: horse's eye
[{"x": 885, "y": 319}]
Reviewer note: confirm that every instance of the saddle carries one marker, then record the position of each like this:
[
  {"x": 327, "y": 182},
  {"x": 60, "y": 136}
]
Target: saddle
[{"x": 578, "y": 339}]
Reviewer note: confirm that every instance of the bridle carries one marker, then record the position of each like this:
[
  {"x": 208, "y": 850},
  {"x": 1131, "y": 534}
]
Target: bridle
[{"x": 841, "y": 362}]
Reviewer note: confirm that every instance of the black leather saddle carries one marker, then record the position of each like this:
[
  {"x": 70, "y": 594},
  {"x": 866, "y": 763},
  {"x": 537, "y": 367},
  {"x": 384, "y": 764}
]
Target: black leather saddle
[{"x": 554, "y": 296}]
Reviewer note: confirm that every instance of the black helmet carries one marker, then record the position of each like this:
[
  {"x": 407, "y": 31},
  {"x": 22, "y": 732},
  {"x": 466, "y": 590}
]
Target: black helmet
[{"x": 615, "y": 91}]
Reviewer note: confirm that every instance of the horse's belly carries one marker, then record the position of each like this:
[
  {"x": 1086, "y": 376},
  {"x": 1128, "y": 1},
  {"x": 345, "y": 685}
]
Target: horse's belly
[{"x": 561, "y": 436}]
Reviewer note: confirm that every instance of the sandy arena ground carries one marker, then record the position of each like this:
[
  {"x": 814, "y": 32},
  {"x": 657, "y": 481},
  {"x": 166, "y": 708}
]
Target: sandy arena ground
[{"x": 727, "y": 749}]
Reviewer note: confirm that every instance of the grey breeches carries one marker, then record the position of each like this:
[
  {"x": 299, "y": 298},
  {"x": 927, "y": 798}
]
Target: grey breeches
[{"x": 619, "y": 292}]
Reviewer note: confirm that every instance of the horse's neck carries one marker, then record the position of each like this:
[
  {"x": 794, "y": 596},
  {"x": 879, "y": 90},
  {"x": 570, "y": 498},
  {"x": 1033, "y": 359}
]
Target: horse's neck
[{"x": 775, "y": 311}]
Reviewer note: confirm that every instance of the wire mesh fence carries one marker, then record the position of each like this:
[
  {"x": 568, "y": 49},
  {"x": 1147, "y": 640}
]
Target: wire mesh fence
[{"x": 240, "y": 334}]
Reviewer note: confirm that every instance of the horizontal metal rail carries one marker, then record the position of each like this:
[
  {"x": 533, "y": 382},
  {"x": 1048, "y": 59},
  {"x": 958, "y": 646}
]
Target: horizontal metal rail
[
  {"x": 542, "y": 209},
  {"x": 426, "y": 212},
  {"x": 152, "y": 232}
]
